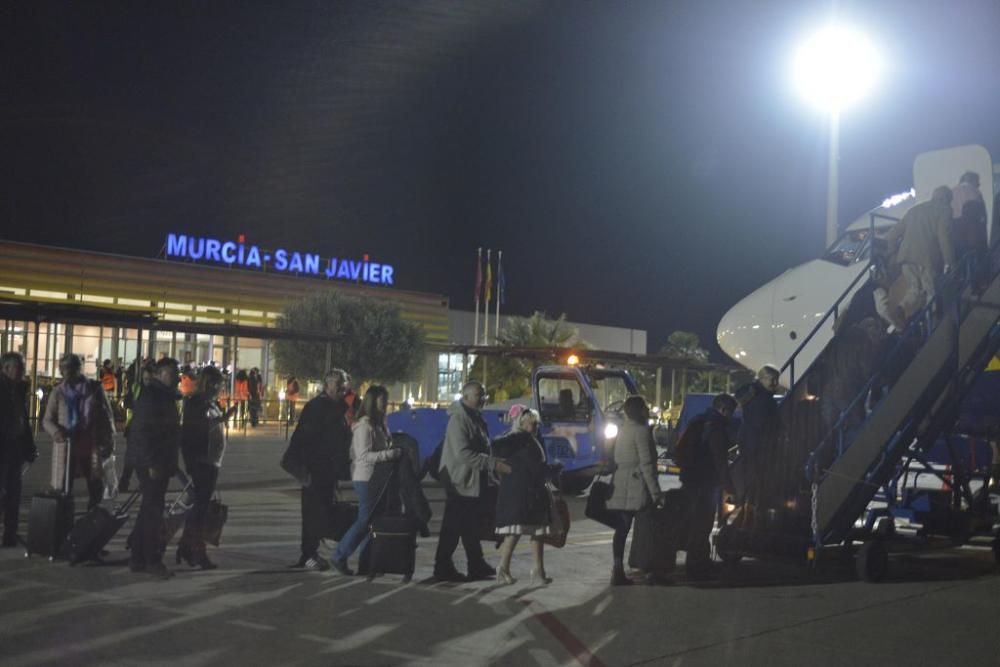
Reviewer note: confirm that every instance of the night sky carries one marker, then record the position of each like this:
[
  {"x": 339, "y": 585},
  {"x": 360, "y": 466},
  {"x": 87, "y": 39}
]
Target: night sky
[{"x": 641, "y": 164}]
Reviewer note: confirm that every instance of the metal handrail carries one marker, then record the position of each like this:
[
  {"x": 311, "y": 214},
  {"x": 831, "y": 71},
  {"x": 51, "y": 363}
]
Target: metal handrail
[{"x": 834, "y": 309}]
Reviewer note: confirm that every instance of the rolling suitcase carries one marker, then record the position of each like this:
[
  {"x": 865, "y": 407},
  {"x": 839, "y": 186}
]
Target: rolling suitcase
[
  {"x": 94, "y": 530},
  {"x": 658, "y": 535},
  {"x": 341, "y": 517},
  {"x": 393, "y": 546},
  {"x": 50, "y": 518}
]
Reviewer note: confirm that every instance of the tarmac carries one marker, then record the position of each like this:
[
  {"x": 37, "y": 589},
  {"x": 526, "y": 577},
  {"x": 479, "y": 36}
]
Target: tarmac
[{"x": 936, "y": 609}]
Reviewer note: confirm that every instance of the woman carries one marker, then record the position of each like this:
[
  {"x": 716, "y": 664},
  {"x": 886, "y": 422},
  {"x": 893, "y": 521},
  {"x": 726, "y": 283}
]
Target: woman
[
  {"x": 523, "y": 502},
  {"x": 370, "y": 444},
  {"x": 634, "y": 485},
  {"x": 203, "y": 442},
  {"x": 78, "y": 415}
]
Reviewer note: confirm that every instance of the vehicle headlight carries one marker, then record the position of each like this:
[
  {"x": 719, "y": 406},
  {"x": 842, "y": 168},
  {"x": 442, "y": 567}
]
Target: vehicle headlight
[{"x": 610, "y": 431}]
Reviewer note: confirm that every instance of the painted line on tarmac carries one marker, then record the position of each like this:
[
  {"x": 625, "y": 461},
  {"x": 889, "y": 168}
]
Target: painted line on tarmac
[
  {"x": 602, "y": 605},
  {"x": 253, "y": 626},
  {"x": 573, "y": 645},
  {"x": 392, "y": 591},
  {"x": 331, "y": 589}
]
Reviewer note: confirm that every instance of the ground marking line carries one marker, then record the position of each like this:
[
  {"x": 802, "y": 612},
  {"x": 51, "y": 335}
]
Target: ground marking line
[
  {"x": 252, "y": 626},
  {"x": 563, "y": 635}
]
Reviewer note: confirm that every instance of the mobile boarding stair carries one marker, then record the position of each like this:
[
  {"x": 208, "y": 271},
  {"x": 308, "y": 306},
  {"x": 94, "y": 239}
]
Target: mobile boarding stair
[{"x": 856, "y": 462}]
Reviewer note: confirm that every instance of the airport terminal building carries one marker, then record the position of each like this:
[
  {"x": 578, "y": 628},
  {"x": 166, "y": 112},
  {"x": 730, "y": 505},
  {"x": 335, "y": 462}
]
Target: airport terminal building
[{"x": 215, "y": 301}]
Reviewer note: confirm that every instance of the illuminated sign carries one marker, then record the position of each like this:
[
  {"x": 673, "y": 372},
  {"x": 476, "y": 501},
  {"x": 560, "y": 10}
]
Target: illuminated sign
[{"x": 240, "y": 253}]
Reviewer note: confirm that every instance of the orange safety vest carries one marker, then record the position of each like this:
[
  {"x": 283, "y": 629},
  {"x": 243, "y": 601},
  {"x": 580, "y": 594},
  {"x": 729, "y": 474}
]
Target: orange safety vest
[
  {"x": 241, "y": 391},
  {"x": 108, "y": 380}
]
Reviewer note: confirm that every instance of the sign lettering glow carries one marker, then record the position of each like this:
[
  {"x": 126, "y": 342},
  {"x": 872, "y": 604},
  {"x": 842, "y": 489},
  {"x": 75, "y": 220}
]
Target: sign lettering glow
[{"x": 247, "y": 255}]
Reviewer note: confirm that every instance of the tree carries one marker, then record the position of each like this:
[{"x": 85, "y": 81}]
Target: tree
[
  {"x": 373, "y": 341},
  {"x": 685, "y": 346},
  {"x": 509, "y": 377}
]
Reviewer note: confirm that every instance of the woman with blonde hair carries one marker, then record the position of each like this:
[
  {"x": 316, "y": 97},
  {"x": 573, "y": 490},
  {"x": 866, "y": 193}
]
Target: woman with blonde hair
[{"x": 524, "y": 501}]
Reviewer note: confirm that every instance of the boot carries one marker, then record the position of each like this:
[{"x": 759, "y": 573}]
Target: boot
[{"x": 618, "y": 577}]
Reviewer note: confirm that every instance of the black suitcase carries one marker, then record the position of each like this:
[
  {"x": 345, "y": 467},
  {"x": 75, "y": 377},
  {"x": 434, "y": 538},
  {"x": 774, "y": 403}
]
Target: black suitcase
[
  {"x": 51, "y": 517},
  {"x": 94, "y": 530},
  {"x": 49, "y": 522},
  {"x": 341, "y": 516},
  {"x": 659, "y": 533},
  {"x": 393, "y": 546}
]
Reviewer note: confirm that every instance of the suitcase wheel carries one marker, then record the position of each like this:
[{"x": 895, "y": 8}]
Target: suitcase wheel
[{"x": 407, "y": 578}]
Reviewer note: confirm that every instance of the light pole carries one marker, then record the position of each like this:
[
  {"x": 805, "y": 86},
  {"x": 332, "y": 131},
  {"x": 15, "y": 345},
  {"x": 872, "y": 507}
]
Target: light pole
[{"x": 834, "y": 68}]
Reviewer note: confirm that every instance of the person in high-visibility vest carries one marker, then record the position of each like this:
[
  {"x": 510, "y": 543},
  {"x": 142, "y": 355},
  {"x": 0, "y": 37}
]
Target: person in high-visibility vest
[
  {"x": 291, "y": 397},
  {"x": 108, "y": 380}
]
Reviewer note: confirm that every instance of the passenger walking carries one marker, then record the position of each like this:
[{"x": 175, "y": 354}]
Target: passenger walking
[
  {"x": 524, "y": 500},
  {"x": 255, "y": 391},
  {"x": 925, "y": 251},
  {"x": 706, "y": 474},
  {"x": 17, "y": 446},
  {"x": 154, "y": 440},
  {"x": 78, "y": 417},
  {"x": 203, "y": 443},
  {"x": 969, "y": 224},
  {"x": 465, "y": 462},
  {"x": 323, "y": 441},
  {"x": 634, "y": 484},
  {"x": 241, "y": 396},
  {"x": 291, "y": 397},
  {"x": 759, "y": 426},
  {"x": 370, "y": 444}
]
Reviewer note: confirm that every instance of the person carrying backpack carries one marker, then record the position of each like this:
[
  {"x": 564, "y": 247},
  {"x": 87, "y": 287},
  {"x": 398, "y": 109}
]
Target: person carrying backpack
[{"x": 702, "y": 455}]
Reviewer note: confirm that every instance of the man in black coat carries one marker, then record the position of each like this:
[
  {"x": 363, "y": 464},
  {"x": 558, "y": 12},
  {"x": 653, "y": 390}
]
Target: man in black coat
[
  {"x": 154, "y": 442},
  {"x": 321, "y": 443},
  {"x": 758, "y": 428},
  {"x": 16, "y": 443},
  {"x": 702, "y": 479}
]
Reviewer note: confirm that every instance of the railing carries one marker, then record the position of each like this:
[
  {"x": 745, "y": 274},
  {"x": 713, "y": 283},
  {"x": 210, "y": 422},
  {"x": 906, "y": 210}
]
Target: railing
[{"x": 834, "y": 310}]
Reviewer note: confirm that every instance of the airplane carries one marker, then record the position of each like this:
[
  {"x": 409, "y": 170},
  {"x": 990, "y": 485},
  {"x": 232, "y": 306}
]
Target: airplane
[{"x": 771, "y": 323}]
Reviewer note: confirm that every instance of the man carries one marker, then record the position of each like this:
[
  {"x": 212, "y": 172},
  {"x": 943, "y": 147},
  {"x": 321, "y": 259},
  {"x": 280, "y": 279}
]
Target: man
[
  {"x": 701, "y": 481},
  {"x": 759, "y": 426},
  {"x": 969, "y": 225},
  {"x": 255, "y": 389},
  {"x": 322, "y": 442},
  {"x": 154, "y": 442},
  {"x": 291, "y": 397},
  {"x": 78, "y": 417},
  {"x": 16, "y": 443},
  {"x": 926, "y": 250},
  {"x": 465, "y": 461},
  {"x": 108, "y": 381}
]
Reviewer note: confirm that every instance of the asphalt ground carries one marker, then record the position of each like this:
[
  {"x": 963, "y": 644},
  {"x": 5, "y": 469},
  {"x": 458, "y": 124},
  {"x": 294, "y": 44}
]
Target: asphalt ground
[{"x": 936, "y": 609}]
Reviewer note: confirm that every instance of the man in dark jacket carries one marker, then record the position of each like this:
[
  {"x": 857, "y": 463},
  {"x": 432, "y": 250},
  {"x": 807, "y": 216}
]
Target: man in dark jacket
[
  {"x": 758, "y": 428},
  {"x": 322, "y": 443},
  {"x": 154, "y": 441},
  {"x": 16, "y": 443},
  {"x": 702, "y": 479}
]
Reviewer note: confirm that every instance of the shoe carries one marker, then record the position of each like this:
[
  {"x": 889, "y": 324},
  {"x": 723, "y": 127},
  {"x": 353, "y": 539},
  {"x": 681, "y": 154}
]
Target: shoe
[
  {"x": 504, "y": 577},
  {"x": 341, "y": 567},
  {"x": 481, "y": 572},
  {"x": 159, "y": 570},
  {"x": 539, "y": 578},
  {"x": 202, "y": 562},
  {"x": 655, "y": 579},
  {"x": 452, "y": 575},
  {"x": 316, "y": 563},
  {"x": 137, "y": 568},
  {"x": 618, "y": 578},
  {"x": 184, "y": 554}
]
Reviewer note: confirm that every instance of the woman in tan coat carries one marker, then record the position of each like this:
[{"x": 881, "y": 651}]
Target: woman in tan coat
[
  {"x": 634, "y": 485},
  {"x": 78, "y": 415}
]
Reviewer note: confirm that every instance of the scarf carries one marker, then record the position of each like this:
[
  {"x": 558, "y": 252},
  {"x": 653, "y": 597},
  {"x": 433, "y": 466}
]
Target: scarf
[{"x": 77, "y": 405}]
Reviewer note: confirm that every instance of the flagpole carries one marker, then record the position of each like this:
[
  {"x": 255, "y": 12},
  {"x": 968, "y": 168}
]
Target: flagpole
[
  {"x": 479, "y": 289},
  {"x": 496, "y": 334},
  {"x": 486, "y": 298}
]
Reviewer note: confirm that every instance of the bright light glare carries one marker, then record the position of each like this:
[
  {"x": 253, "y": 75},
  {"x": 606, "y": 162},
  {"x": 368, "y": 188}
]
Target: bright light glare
[
  {"x": 610, "y": 431},
  {"x": 835, "y": 68},
  {"x": 281, "y": 394}
]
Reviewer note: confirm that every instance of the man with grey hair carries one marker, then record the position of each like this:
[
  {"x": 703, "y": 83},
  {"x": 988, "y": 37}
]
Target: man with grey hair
[
  {"x": 925, "y": 252},
  {"x": 465, "y": 462},
  {"x": 321, "y": 443},
  {"x": 759, "y": 425}
]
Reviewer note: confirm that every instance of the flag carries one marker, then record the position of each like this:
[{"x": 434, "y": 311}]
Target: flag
[
  {"x": 479, "y": 274},
  {"x": 489, "y": 279},
  {"x": 501, "y": 281}
]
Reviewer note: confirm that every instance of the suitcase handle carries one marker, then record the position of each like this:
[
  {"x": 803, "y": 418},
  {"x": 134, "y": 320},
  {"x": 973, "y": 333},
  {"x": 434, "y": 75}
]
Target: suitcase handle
[
  {"x": 177, "y": 500},
  {"x": 69, "y": 463}
]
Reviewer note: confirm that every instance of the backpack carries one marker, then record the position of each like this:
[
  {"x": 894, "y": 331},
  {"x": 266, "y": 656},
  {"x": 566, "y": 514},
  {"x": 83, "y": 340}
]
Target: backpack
[{"x": 686, "y": 449}]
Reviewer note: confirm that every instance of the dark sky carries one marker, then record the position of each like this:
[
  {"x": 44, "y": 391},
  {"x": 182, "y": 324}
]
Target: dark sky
[{"x": 641, "y": 164}]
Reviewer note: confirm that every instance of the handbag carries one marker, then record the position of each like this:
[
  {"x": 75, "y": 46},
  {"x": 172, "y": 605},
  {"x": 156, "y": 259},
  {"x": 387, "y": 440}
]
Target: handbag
[
  {"x": 215, "y": 518},
  {"x": 597, "y": 502},
  {"x": 559, "y": 522},
  {"x": 293, "y": 460}
]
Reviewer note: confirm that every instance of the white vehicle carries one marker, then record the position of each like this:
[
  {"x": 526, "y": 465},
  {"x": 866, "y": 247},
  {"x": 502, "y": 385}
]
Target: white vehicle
[{"x": 770, "y": 324}]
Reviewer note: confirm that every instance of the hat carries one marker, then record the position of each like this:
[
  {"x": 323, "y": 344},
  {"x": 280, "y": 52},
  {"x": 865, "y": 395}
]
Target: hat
[{"x": 515, "y": 412}]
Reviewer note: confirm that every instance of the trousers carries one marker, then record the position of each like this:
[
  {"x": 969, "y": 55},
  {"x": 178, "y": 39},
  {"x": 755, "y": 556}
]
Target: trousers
[
  {"x": 316, "y": 501},
  {"x": 460, "y": 522},
  {"x": 147, "y": 547}
]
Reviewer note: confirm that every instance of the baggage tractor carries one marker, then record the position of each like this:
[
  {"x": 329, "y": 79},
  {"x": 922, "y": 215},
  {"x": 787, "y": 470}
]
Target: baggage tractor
[
  {"x": 393, "y": 546},
  {"x": 51, "y": 517},
  {"x": 659, "y": 533},
  {"x": 92, "y": 532}
]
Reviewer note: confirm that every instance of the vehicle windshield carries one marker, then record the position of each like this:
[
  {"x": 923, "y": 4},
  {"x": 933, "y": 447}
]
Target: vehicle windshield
[
  {"x": 562, "y": 398},
  {"x": 611, "y": 390}
]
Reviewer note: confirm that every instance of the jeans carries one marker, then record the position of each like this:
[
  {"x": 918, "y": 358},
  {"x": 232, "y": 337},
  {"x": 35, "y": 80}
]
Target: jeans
[
  {"x": 357, "y": 535},
  {"x": 147, "y": 545},
  {"x": 460, "y": 522},
  {"x": 704, "y": 499},
  {"x": 204, "y": 477},
  {"x": 316, "y": 501}
]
